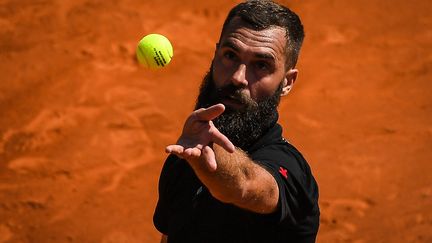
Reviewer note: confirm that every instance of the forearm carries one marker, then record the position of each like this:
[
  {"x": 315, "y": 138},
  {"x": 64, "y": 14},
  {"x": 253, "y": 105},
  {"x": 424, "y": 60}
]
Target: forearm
[
  {"x": 230, "y": 180},
  {"x": 238, "y": 180}
]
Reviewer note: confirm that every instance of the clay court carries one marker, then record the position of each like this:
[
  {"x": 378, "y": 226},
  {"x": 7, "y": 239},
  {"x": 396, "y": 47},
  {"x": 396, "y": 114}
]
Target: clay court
[{"x": 83, "y": 127}]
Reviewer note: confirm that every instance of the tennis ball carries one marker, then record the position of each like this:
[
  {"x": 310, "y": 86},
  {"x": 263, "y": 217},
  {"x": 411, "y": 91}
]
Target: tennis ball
[{"x": 154, "y": 51}]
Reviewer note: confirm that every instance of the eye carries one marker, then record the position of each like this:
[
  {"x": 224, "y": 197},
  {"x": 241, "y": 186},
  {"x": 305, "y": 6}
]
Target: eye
[
  {"x": 230, "y": 55},
  {"x": 262, "y": 66}
]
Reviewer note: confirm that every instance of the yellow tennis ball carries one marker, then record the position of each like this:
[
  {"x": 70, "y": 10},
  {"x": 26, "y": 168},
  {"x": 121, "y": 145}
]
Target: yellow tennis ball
[{"x": 154, "y": 51}]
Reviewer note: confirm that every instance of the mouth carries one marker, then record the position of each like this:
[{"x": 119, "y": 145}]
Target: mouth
[{"x": 232, "y": 103}]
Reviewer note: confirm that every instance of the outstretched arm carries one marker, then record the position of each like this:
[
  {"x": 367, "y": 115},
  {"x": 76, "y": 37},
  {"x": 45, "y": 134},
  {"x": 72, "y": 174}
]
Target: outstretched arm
[{"x": 229, "y": 174}]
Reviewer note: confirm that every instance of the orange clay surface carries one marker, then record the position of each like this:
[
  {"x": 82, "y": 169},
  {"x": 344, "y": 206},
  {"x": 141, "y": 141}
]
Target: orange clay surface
[{"x": 83, "y": 127}]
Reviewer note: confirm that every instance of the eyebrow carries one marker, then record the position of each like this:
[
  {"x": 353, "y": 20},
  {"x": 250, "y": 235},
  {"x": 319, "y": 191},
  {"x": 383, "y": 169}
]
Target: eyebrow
[{"x": 260, "y": 55}]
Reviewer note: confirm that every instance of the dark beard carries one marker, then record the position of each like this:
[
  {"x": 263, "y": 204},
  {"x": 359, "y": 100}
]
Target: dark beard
[{"x": 245, "y": 126}]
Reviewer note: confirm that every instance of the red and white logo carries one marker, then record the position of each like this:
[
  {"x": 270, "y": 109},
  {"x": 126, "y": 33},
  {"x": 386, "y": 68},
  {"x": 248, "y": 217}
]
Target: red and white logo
[{"x": 283, "y": 172}]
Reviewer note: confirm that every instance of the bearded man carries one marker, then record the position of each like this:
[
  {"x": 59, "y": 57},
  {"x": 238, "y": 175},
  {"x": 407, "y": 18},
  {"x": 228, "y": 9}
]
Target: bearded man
[{"x": 231, "y": 176}]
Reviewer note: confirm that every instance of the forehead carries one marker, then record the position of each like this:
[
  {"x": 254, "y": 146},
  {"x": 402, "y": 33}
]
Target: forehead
[{"x": 271, "y": 40}]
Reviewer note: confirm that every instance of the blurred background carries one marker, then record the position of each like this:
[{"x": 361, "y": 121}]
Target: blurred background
[{"x": 83, "y": 127}]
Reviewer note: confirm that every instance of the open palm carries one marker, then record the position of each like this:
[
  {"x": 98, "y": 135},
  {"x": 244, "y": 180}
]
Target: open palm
[{"x": 199, "y": 133}]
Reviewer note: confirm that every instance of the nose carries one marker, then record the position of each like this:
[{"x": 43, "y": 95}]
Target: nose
[{"x": 239, "y": 76}]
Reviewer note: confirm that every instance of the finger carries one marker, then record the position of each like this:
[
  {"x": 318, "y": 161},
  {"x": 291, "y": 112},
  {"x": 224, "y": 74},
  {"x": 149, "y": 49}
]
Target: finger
[
  {"x": 222, "y": 140},
  {"x": 210, "y": 113},
  {"x": 180, "y": 155},
  {"x": 174, "y": 149},
  {"x": 192, "y": 152},
  {"x": 209, "y": 158}
]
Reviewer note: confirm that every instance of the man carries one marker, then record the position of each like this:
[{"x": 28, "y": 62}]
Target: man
[{"x": 231, "y": 176}]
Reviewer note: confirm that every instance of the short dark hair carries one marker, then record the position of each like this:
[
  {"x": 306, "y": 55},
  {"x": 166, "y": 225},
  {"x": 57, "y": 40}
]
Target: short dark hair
[{"x": 263, "y": 14}]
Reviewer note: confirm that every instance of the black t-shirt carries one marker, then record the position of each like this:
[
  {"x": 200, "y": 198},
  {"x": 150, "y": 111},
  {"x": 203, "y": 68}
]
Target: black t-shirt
[{"x": 187, "y": 212}]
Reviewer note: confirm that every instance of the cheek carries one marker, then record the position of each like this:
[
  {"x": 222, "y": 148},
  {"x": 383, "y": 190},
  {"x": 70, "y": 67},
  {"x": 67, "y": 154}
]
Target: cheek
[
  {"x": 220, "y": 73},
  {"x": 264, "y": 88}
]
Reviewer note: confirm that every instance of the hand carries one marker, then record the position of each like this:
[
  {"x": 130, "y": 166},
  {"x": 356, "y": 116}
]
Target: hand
[{"x": 199, "y": 133}]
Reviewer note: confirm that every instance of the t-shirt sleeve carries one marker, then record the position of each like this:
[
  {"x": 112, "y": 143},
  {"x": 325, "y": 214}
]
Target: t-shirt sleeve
[
  {"x": 177, "y": 186},
  {"x": 298, "y": 191},
  {"x": 161, "y": 214}
]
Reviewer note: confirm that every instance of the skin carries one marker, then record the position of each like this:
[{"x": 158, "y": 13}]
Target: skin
[
  {"x": 164, "y": 239},
  {"x": 255, "y": 61}
]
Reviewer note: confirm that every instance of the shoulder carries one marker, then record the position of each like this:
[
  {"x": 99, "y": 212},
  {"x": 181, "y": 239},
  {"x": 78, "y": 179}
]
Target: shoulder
[
  {"x": 298, "y": 190},
  {"x": 282, "y": 155}
]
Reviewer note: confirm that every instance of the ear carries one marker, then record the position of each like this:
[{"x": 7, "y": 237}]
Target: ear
[{"x": 289, "y": 80}]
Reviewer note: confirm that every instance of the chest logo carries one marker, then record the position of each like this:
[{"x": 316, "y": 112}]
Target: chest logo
[{"x": 283, "y": 172}]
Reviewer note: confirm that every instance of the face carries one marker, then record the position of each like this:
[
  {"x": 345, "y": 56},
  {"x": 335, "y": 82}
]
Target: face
[
  {"x": 252, "y": 61},
  {"x": 245, "y": 125},
  {"x": 248, "y": 76}
]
